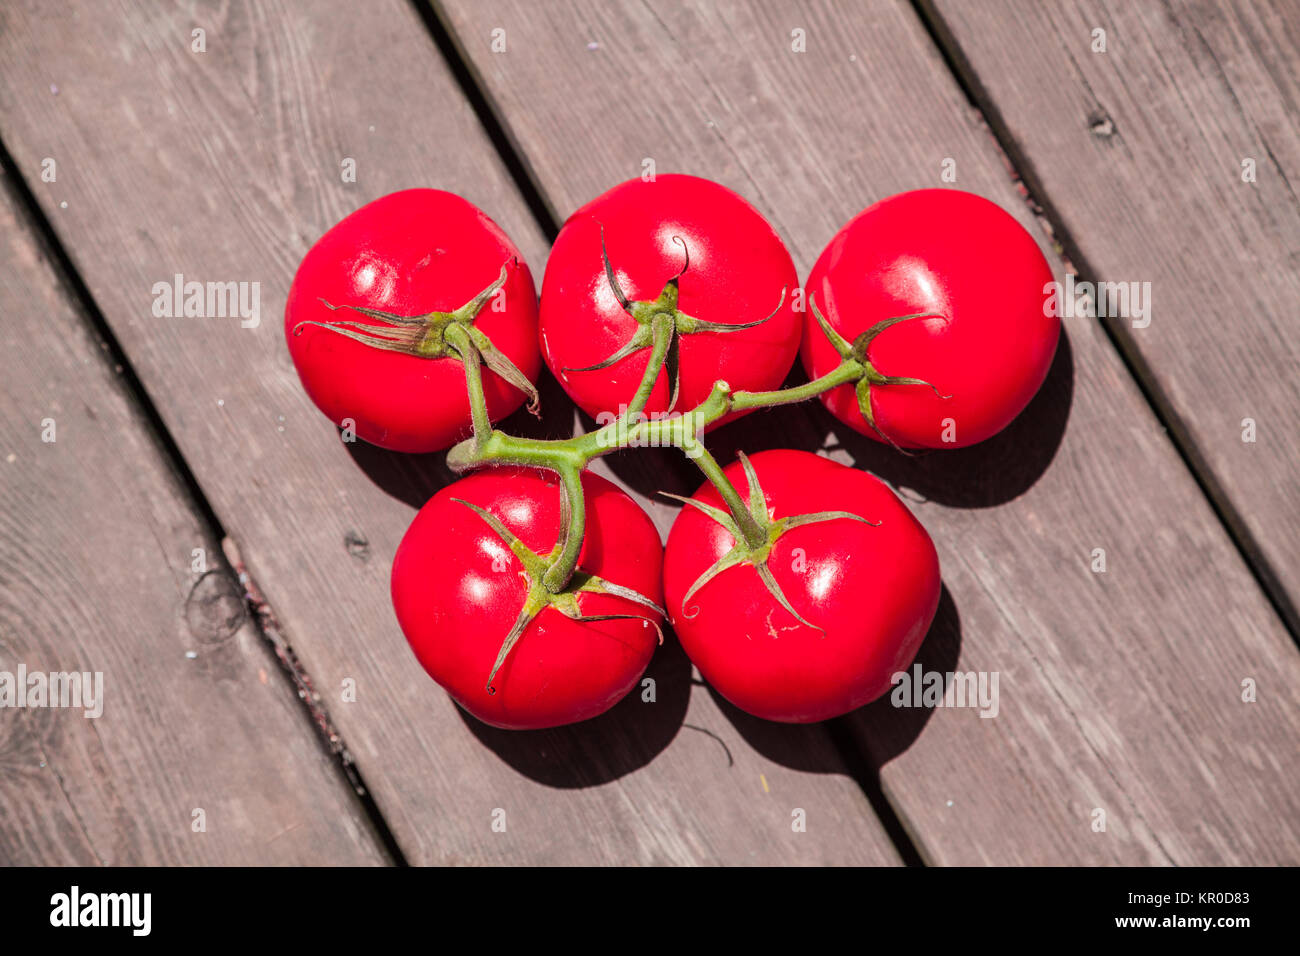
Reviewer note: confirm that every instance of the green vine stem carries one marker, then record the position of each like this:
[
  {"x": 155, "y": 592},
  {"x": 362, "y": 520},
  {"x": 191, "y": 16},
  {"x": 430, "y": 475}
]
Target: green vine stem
[
  {"x": 660, "y": 325},
  {"x": 678, "y": 431},
  {"x": 573, "y": 521},
  {"x": 568, "y": 456},
  {"x": 662, "y": 333},
  {"x": 470, "y": 358},
  {"x": 749, "y": 528}
]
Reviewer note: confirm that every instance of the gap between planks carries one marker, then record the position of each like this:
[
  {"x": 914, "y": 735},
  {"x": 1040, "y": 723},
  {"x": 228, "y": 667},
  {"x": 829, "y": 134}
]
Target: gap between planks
[
  {"x": 260, "y": 614},
  {"x": 1139, "y": 368}
]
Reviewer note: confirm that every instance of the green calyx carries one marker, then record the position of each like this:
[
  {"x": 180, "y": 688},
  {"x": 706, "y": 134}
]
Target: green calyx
[
  {"x": 856, "y": 351},
  {"x": 564, "y": 600},
  {"x": 755, "y": 538},
  {"x": 660, "y": 326},
  {"x": 435, "y": 335}
]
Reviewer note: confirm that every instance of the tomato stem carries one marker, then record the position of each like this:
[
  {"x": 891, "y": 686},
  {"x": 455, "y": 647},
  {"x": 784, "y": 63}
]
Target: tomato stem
[
  {"x": 752, "y": 534},
  {"x": 564, "y": 600},
  {"x": 857, "y": 351},
  {"x": 568, "y": 456},
  {"x": 573, "y": 521},
  {"x": 660, "y": 326},
  {"x": 471, "y": 359},
  {"x": 662, "y": 335},
  {"x": 754, "y": 549}
]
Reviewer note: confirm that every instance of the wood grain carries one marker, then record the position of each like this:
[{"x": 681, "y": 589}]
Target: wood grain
[
  {"x": 1120, "y": 691},
  {"x": 1141, "y": 149},
  {"x": 96, "y": 575},
  {"x": 225, "y": 166}
]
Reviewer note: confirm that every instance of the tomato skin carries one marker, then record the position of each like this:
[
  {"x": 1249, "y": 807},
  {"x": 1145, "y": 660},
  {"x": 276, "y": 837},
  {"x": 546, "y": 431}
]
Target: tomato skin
[
  {"x": 738, "y": 267},
  {"x": 410, "y": 252},
  {"x": 874, "y": 590},
  {"x": 456, "y": 607},
  {"x": 945, "y": 251}
]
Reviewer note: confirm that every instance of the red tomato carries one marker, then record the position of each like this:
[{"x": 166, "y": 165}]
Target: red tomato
[
  {"x": 873, "y": 590},
  {"x": 964, "y": 258},
  {"x": 458, "y": 589},
  {"x": 409, "y": 253},
  {"x": 737, "y": 271}
]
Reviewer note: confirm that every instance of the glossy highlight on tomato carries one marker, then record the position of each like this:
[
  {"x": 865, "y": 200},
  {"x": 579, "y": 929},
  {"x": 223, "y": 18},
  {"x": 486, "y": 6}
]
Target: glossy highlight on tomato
[
  {"x": 872, "y": 589},
  {"x": 738, "y": 272},
  {"x": 409, "y": 253},
  {"x": 988, "y": 346},
  {"x": 458, "y": 588}
]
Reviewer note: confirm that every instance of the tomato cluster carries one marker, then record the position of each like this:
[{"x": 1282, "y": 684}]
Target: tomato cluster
[{"x": 533, "y": 591}]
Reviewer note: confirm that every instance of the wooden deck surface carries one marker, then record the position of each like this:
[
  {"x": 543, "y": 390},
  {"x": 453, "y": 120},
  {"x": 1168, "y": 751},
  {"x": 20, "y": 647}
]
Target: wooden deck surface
[{"x": 1120, "y": 691}]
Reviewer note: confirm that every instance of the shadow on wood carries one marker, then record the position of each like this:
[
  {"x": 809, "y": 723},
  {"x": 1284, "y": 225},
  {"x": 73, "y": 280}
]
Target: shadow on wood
[
  {"x": 994, "y": 471},
  {"x": 414, "y": 479},
  {"x": 881, "y": 730},
  {"x": 884, "y": 731},
  {"x": 557, "y": 413}
]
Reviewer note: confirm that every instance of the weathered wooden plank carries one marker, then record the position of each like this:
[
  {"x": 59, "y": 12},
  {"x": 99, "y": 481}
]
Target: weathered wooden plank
[
  {"x": 96, "y": 576},
  {"x": 1119, "y": 691},
  {"x": 1171, "y": 158},
  {"x": 225, "y": 165}
]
